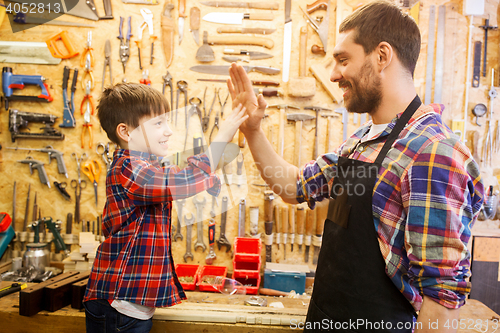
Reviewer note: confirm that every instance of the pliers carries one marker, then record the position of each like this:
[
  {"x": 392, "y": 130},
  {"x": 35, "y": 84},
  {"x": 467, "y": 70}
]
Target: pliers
[
  {"x": 148, "y": 20},
  {"x": 88, "y": 51},
  {"x": 221, "y": 104},
  {"x": 88, "y": 71},
  {"x": 86, "y": 118},
  {"x": 125, "y": 42},
  {"x": 167, "y": 81},
  {"x": 88, "y": 98},
  {"x": 206, "y": 117},
  {"x": 107, "y": 63}
]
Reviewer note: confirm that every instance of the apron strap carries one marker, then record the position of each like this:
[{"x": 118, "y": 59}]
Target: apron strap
[{"x": 400, "y": 125}]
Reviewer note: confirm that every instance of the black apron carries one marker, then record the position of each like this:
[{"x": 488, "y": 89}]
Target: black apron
[{"x": 351, "y": 287}]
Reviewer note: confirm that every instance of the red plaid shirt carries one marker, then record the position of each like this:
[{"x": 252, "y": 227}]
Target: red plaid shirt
[{"x": 135, "y": 261}]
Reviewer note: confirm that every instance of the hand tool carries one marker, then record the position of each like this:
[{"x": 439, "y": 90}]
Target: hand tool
[
  {"x": 277, "y": 219},
  {"x": 142, "y": 2},
  {"x": 19, "y": 120},
  {"x": 291, "y": 225},
  {"x": 124, "y": 51},
  {"x": 253, "y": 212},
  {"x": 496, "y": 142},
  {"x": 345, "y": 121},
  {"x": 298, "y": 118},
  {"x": 486, "y": 27},
  {"x": 92, "y": 169},
  {"x": 167, "y": 81},
  {"x": 477, "y": 64},
  {"x": 195, "y": 108},
  {"x": 268, "y": 223},
  {"x": 224, "y": 70},
  {"x": 429, "y": 73},
  {"x": 310, "y": 219},
  {"x": 14, "y": 205},
  {"x": 78, "y": 9},
  {"x": 215, "y": 125},
  {"x": 181, "y": 87},
  {"x": 302, "y": 86},
  {"x": 69, "y": 223},
  {"x": 240, "y": 40},
  {"x": 301, "y": 220},
  {"x": 13, "y": 288},
  {"x": 26, "y": 53},
  {"x": 488, "y": 141},
  {"x": 479, "y": 110},
  {"x": 212, "y": 209},
  {"x": 254, "y": 55},
  {"x": 148, "y": 21},
  {"x": 205, "y": 52},
  {"x": 222, "y": 241},
  {"x": 107, "y": 63},
  {"x": 322, "y": 212},
  {"x": 254, "y": 83},
  {"x": 182, "y": 17},
  {"x": 268, "y": 92},
  {"x": 284, "y": 227},
  {"x": 330, "y": 137},
  {"x": 315, "y": 49},
  {"x": 194, "y": 24},
  {"x": 88, "y": 51},
  {"x": 14, "y": 81},
  {"x": 52, "y": 44},
  {"x": 22, "y": 18},
  {"x": 236, "y": 18},
  {"x": 287, "y": 42},
  {"x": 27, "y": 208},
  {"x": 206, "y": 116},
  {"x": 238, "y": 30},
  {"x": 34, "y": 164},
  {"x": 73, "y": 89},
  {"x": 180, "y": 205},
  {"x": 87, "y": 71},
  {"x": 189, "y": 226},
  {"x": 439, "y": 69},
  {"x": 199, "y": 204},
  {"x": 167, "y": 31},
  {"x": 323, "y": 76},
  {"x": 61, "y": 188},
  {"x": 209, "y": 259},
  {"x": 322, "y": 28},
  {"x": 145, "y": 78},
  {"x": 105, "y": 153},
  {"x": 227, "y": 170},
  {"x": 317, "y": 109},
  {"x": 241, "y": 218},
  {"x": 53, "y": 154},
  {"x": 239, "y": 169},
  {"x": 68, "y": 112},
  {"x": 242, "y": 4},
  {"x": 108, "y": 10},
  {"x": 78, "y": 184},
  {"x": 87, "y": 126},
  {"x": 283, "y": 108},
  {"x": 234, "y": 59},
  {"x": 222, "y": 105}
]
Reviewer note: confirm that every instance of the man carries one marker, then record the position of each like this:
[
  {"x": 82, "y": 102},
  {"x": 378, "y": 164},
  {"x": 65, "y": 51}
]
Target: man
[{"x": 406, "y": 191}]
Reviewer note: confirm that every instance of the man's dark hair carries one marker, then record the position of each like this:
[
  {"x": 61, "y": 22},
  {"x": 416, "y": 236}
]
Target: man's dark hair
[
  {"x": 383, "y": 21},
  {"x": 127, "y": 103}
]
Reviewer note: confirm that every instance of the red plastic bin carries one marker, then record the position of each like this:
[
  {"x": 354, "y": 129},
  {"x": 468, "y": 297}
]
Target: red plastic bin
[
  {"x": 188, "y": 270},
  {"x": 250, "y": 279},
  {"x": 246, "y": 266},
  {"x": 210, "y": 270},
  {"x": 247, "y": 249}
]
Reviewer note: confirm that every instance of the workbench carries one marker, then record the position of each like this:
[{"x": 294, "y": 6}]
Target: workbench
[{"x": 203, "y": 312}]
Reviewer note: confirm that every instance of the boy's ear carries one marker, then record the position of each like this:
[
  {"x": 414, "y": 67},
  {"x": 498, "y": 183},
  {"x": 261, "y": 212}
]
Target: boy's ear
[{"x": 123, "y": 132}]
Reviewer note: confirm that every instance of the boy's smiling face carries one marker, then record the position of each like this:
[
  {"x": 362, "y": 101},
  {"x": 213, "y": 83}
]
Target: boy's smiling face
[{"x": 151, "y": 136}]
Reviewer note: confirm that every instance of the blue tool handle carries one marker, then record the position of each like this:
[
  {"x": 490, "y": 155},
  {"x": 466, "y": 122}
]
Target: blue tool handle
[
  {"x": 129, "y": 33},
  {"x": 121, "y": 25},
  {"x": 20, "y": 18},
  {"x": 19, "y": 81}
]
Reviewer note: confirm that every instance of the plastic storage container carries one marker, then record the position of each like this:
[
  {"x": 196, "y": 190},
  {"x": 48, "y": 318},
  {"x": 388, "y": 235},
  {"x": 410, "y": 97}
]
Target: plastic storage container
[
  {"x": 250, "y": 279},
  {"x": 7, "y": 232},
  {"x": 247, "y": 249},
  {"x": 210, "y": 270},
  {"x": 285, "y": 281},
  {"x": 184, "y": 270}
]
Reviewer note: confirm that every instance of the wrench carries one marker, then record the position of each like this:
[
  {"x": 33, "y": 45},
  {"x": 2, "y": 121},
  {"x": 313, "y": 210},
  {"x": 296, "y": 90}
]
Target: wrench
[
  {"x": 211, "y": 237},
  {"x": 222, "y": 241},
  {"x": 180, "y": 204},
  {"x": 199, "y": 219},
  {"x": 189, "y": 226}
]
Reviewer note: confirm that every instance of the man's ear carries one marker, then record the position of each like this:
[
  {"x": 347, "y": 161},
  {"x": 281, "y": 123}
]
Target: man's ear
[
  {"x": 385, "y": 55},
  {"x": 123, "y": 132}
]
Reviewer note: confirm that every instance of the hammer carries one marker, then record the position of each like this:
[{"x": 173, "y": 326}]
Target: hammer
[
  {"x": 281, "y": 135},
  {"x": 329, "y": 129},
  {"x": 316, "y": 136},
  {"x": 298, "y": 118}
]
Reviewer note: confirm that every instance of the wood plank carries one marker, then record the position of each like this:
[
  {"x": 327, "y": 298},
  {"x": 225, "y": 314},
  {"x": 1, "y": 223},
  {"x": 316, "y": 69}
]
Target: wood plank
[
  {"x": 59, "y": 294},
  {"x": 77, "y": 293}
]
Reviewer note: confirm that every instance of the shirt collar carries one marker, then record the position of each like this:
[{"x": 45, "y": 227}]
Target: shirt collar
[{"x": 134, "y": 153}]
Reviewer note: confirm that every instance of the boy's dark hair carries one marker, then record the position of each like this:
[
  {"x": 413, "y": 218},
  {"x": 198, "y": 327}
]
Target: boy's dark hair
[
  {"x": 127, "y": 103},
  {"x": 383, "y": 21}
]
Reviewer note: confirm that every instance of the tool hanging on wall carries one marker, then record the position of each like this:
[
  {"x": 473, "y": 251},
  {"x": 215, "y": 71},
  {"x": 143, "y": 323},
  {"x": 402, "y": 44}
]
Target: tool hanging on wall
[
  {"x": 439, "y": 71},
  {"x": 14, "y": 81},
  {"x": 284, "y": 227},
  {"x": 167, "y": 81},
  {"x": 287, "y": 42},
  {"x": 87, "y": 71},
  {"x": 92, "y": 169},
  {"x": 107, "y": 63},
  {"x": 88, "y": 51},
  {"x": 431, "y": 39},
  {"x": 53, "y": 154},
  {"x": 303, "y": 86},
  {"x": 488, "y": 141},
  {"x": 19, "y": 120},
  {"x": 298, "y": 118},
  {"x": 477, "y": 64},
  {"x": 182, "y": 17},
  {"x": 194, "y": 24},
  {"x": 268, "y": 223},
  {"x": 479, "y": 110},
  {"x": 145, "y": 78},
  {"x": 236, "y": 18},
  {"x": 322, "y": 28},
  {"x": 147, "y": 21},
  {"x": 242, "y": 4},
  {"x": 206, "y": 116},
  {"x": 167, "y": 31},
  {"x": 52, "y": 44},
  {"x": 87, "y": 126},
  {"x": 239, "y": 30},
  {"x": 68, "y": 110},
  {"x": 125, "y": 42},
  {"x": 181, "y": 87},
  {"x": 486, "y": 27},
  {"x": 42, "y": 174}
]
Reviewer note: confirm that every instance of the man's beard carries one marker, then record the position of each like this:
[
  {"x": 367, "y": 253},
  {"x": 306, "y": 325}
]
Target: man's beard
[{"x": 365, "y": 92}]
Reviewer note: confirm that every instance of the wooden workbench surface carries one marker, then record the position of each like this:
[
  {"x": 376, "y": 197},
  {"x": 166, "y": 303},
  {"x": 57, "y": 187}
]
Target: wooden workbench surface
[{"x": 206, "y": 312}]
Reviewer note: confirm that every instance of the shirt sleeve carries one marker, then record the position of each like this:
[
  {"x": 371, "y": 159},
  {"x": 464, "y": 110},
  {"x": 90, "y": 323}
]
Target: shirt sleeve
[
  {"x": 147, "y": 184},
  {"x": 442, "y": 194},
  {"x": 314, "y": 179}
]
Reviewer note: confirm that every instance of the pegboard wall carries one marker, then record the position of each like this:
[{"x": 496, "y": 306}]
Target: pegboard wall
[{"x": 53, "y": 204}]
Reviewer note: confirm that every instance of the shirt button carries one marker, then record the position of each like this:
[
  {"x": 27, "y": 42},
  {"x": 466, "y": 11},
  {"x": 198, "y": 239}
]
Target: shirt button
[{"x": 360, "y": 148}]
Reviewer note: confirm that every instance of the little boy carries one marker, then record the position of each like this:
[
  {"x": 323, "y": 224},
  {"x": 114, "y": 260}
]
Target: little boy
[{"x": 133, "y": 271}]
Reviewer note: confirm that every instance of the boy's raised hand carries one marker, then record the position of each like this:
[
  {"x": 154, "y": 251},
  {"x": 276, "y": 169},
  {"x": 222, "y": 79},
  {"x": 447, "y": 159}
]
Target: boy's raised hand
[
  {"x": 241, "y": 90},
  {"x": 230, "y": 125}
]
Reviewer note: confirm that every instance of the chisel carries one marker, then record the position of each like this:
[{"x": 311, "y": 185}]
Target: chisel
[
  {"x": 321, "y": 215},
  {"x": 310, "y": 218},
  {"x": 291, "y": 225},
  {"x": 301, "y": 220},
  {"x": 268, "y": 223},
  {"x": 284, "y": 228},
  {"x": 277, "y": 219}
]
